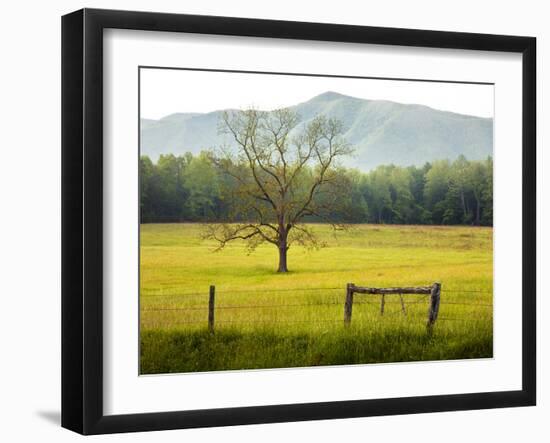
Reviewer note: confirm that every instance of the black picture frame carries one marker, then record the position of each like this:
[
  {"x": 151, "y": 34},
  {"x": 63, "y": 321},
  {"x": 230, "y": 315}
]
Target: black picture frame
[{"x": 82, "y": 218}]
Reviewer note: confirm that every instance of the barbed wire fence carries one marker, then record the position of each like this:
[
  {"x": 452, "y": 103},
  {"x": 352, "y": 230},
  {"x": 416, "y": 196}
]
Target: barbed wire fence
[{"x": 211, "y": 308}]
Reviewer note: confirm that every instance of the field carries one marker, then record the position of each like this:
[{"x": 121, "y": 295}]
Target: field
[{"x": 269, "y": 320}]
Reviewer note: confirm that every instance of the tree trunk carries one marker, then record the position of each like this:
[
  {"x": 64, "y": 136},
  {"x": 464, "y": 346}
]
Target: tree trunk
[
  {"x": 283, "y": 248},
  {"x": 463, "y": 201},
  {"x": 282, "y": 258}
]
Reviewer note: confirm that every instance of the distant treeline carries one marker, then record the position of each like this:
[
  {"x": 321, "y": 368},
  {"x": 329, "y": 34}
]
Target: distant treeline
[{"x": 191, "y": 188}]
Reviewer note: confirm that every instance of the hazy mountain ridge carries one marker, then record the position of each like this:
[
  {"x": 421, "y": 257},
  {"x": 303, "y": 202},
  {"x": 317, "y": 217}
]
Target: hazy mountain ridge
[{"x": 382, "y": 131}]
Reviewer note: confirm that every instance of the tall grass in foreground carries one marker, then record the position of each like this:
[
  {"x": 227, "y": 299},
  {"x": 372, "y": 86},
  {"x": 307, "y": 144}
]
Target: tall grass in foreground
[{"x": 268, "y": 320}]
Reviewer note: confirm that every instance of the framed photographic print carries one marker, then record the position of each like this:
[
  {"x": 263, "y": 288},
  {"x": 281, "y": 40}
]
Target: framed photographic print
[{"x": 269, "y": 221}]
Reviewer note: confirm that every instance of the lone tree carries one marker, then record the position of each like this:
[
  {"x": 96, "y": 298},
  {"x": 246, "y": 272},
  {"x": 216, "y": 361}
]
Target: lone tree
[{"x": 280, "y": 174}]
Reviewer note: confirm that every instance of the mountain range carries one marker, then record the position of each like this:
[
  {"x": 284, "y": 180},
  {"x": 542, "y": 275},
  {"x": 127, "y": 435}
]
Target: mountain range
[{"x": 382, "y": 132}]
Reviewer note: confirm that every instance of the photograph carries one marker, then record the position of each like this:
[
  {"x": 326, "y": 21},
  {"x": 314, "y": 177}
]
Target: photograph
[
  {"x": 295, "y": 220},
  {"x": 272, "y": 222}
]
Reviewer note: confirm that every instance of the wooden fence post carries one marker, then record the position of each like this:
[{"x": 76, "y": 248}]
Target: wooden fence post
[
  {"x": 434, "y": 305},
  {"x": 348, "y": 304},
  {"x": 382, "y": 304},
  {"x": 211, "y": 301}
]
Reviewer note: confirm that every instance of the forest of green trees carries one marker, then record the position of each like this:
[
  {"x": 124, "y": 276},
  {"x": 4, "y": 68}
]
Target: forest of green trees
[{"x": 191, "y": 188}]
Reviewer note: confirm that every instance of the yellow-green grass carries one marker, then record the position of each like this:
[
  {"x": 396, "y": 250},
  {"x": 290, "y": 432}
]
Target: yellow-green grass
[{"x": 265, "y": 319}]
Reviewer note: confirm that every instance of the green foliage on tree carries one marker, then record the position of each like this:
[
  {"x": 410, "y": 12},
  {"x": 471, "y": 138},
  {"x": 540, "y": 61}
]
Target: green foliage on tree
[
  {"x": 195, "y": 188},
  {"x": 201, "y": 181}
]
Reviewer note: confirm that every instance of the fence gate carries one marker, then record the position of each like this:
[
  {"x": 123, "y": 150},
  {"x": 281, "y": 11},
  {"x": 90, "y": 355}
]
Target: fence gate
[{"x": 434, "y": 291}]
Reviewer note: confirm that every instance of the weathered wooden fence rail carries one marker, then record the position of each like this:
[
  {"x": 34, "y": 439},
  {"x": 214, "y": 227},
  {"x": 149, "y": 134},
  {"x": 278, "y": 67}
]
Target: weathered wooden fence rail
[{"x": 434, "y": 291}]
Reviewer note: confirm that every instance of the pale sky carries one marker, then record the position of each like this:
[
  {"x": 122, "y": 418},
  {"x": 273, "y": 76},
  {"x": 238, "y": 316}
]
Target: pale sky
[{"x": 165, "y": 92}]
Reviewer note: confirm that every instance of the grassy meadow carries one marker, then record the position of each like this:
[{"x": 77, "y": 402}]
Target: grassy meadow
[{"x": 270, "y": 320}]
